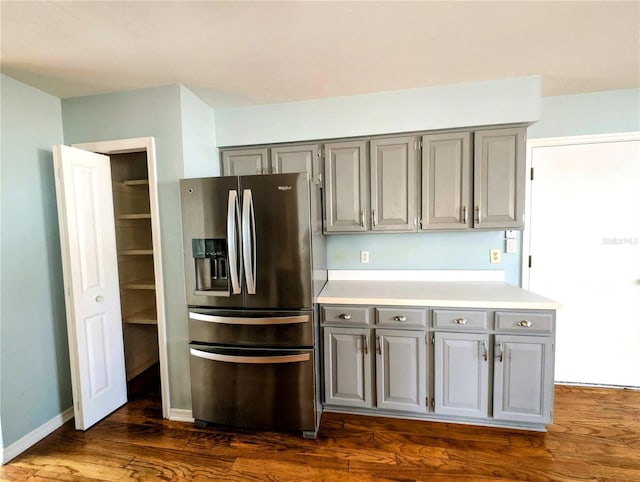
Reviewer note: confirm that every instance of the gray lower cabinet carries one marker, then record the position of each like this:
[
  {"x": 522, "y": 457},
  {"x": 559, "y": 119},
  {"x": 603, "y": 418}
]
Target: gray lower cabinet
[
  {"x": 522, "y": 378},
  {"x": 401, "y": 364},
  {"x": 346, "y": 193},
  {"x": 490, "y": 367},
  {"x": 499, "y": 178},
  {"x": 347, "y": 367},
  {"x": 446, "y": 181},
  {"x": 461, "y": 374},
  {"x": 244, "y": 162}
]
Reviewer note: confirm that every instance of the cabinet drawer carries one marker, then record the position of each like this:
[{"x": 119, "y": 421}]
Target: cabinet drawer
[
  {"x": 459, "y": 319},
  {"x": 525, "y": 322},
  {"x": 345, "y": 314},
  {"x": 401, "y": 316}
]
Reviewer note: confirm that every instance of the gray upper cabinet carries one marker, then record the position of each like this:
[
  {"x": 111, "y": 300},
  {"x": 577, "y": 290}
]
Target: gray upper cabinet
[
  {"x": 243, "y": 162},
  {"x": 297, "y": 158},
  {"x": 523, "y": 378},
  {"x": 401, "y": 370},
  {"x": 461, "y": 374},
  {"x": 346, "y": 196},
  {"x": 393, "y": 184},
  {"x": 446, "y": 181},
  {"x": 499, "y": 179}
]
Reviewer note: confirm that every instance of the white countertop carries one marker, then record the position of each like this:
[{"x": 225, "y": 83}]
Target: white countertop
[{"x": 460, "y": 294}]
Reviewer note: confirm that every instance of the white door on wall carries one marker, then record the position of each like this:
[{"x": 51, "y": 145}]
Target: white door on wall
[
  {"x": 585, "y": 246},
  {"x": 92, "y": 298}
]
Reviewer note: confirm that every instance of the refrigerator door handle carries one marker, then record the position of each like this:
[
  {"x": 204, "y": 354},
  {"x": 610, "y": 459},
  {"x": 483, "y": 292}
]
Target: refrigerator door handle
[
  {"x": 240, "y": 320},
  {"x": 249, "y": 241},
  {"x": 253, "y": 360},
  {"x": 235, "y": 262}
]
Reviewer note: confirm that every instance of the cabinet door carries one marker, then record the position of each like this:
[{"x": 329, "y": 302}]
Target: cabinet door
[
  {"x": 523, "y": 378},
  {"x": 461, "y": 374},
  {"x": 446, "y": 181},
  {"x": 302, "y": 158},
  {"x": 393, "y": 184},
  {"x": 499, "y": 164},
  {"x": 243, "y": 162},
  {"x": 346, "y": 197},
  {"x": 401, "y": 370},
  {"x": 347, "y": 367}
]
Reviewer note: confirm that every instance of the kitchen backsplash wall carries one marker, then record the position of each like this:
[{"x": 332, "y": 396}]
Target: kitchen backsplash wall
[{"x": 468, "y": 250}]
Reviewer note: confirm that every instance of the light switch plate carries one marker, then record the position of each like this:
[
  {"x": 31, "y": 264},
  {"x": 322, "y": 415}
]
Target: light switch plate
[
  {"x": 364, "y": 256},
  {"x": 512, "y": 246},
  {"x": 495, "y": 256}
]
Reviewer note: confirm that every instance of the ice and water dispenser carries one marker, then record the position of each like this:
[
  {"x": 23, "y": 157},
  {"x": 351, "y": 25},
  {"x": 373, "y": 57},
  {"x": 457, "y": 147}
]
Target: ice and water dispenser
[{"x": 211, "y": 266}]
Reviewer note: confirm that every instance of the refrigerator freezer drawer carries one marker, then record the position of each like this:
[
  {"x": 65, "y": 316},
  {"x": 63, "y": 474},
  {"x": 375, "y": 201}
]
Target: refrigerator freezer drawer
[
  {"x": 254, "y": 389},
  {"x": 251, "y": 328}
]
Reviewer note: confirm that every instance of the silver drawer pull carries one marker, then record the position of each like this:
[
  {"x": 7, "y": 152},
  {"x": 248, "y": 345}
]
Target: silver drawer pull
[
  {"x": 460, "y": 321},
  {"x": 525, "y": 323},
  {"x": 345, "y": 316},
  {"x": 400, "y": 318}
]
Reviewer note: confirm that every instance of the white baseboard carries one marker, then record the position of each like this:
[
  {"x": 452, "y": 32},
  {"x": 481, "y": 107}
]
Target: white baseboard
[
  {"x": 36, "y": 435},
  {"x": 597, "y": 385},
  {"x": 180, "y": 415}
]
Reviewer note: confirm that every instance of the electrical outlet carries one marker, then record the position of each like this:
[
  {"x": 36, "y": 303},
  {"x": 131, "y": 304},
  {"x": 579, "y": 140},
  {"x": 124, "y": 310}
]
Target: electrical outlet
[
  {"x": 495, "y": 256},
  {"x": 364, "y": 256}
]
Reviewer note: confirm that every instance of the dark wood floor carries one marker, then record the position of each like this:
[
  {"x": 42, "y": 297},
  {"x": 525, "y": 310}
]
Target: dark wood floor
[{"x": 595, "y": 436}]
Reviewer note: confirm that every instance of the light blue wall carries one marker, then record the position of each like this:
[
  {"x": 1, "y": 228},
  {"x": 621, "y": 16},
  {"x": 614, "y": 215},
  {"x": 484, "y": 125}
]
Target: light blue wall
[
  {"x": 148, "y": 112},
  {"x": 34, "y": 375},
  {"x": 585, "y": 114},
  {"x": 468, "y": 250},
  {"x": 200, "y": 153},
  {"x": 457, "y": 105}
]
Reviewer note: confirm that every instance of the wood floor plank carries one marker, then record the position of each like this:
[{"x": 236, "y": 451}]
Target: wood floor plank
[{"x": 595, "y": 436}]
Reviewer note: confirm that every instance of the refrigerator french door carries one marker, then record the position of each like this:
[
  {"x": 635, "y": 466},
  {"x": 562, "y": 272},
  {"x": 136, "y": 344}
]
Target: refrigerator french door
[
  {"x": 252, "y": 320},
  {"x": 247, "y": 241}
]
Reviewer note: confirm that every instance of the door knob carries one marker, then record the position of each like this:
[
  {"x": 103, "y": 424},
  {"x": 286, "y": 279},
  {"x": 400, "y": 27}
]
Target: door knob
[{"x": 99, "y": 298}]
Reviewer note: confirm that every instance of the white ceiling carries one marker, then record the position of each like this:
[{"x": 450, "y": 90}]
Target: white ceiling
[{"x": 241, "y": 53}]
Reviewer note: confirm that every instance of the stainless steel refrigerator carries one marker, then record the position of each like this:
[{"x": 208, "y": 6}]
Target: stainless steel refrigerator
[{"x": 254, "y": 262}]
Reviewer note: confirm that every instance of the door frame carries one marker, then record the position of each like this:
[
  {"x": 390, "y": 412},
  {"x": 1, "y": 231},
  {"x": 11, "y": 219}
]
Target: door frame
[
  {"x": 139, "y": 144},
  {"x": 555, "y": 142}
]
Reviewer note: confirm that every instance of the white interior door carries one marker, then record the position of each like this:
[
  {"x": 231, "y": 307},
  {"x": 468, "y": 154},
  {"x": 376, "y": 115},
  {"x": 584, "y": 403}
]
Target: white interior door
[
  {"x": 585, "y": 247},
  {"x": 92, "y": 298}
]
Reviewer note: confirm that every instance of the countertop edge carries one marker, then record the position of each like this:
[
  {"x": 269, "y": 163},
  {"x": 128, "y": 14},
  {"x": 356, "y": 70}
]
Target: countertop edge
[{"x": 445, "y": 303}]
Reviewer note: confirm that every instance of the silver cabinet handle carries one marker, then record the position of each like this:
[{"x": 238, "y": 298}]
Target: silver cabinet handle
[
  {"x": 400, "y": 318},
  {"x": 374, "y": 222},
  {"x": 477, "y": 214},
  {"x": 249, "y": 241},
  {"x": 378, "y": 345},
  {"x": 345, "y": 316},
  {"x": 498, "y": 352},
  {"x": 464, "y": 214},
  {"x": 240, "y": 320},
  {"x": 99, "y": 298},
  {"x": 460, "y": 321},
  {"x": 525, "y": 324},
  {"x": 235, "y": 262},
  {"x": 484, "y": 350},
  {"x": 253, "y": 360},
  {"x": 362, "y": 218},
  {"x": 365, "y": 344}
]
